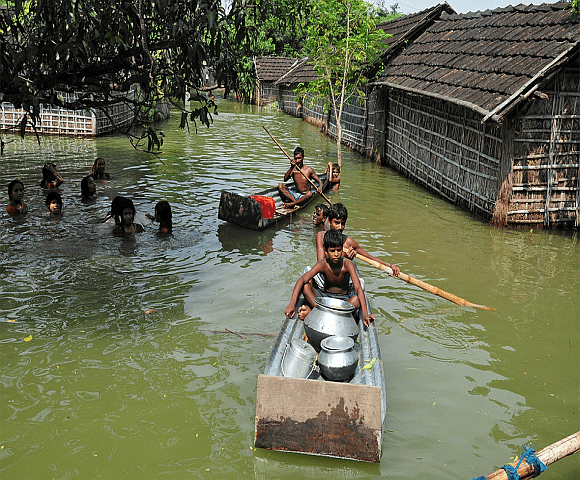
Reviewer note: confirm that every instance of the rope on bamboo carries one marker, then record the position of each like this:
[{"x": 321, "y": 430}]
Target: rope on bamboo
[{"x": 530, "y": 457}]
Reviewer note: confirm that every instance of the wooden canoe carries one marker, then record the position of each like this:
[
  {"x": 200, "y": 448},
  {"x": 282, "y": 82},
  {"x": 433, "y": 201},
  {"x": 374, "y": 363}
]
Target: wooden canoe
[
  {"x": 247, "y": 212},
  {"x": 319, "y": 417}
]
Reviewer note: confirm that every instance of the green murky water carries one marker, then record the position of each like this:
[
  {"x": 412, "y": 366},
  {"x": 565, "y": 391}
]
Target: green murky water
[{"x": 93, "y": 387}]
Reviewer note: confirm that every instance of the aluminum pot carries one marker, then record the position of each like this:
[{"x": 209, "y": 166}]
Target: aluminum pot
[
  {"x": 337, "y": 359},
  {"x": 331, "y": 316}
]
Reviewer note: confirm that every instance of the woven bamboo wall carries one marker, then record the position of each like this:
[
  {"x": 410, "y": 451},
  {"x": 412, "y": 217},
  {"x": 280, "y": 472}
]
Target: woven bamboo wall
[
  {"x": 60, "y": 121},
  {"x": 313, "y": 112},
  {"x": 354, "y": 117},
  {"x": 542, "y": 188},
  {"x": 288, "y": 103},
  {"x": 266, "y": 93},
  {"x": 444, "y": 148}
]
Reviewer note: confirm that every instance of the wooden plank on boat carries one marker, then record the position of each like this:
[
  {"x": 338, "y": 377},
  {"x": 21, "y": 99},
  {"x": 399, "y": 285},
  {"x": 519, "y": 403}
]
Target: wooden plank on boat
[{"x": 319, "y": 418}]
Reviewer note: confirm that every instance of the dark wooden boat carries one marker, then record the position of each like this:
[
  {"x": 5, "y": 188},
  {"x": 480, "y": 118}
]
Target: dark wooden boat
[
  {"x": 319, "y": 417},
  {"x": 247, "y": 212}
]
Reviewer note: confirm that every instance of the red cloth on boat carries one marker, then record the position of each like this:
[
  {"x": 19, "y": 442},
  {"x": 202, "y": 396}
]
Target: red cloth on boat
[{"x": 268, "y": 205}]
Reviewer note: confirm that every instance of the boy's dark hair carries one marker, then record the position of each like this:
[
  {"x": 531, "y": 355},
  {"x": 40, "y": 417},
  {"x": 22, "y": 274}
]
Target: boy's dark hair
[
  {"x": 333, "y": 239},
  {"x": 11, "y": 187},
  {"x": 165, "y": 216},
  {"x": 51, "y": 196},
  {"x": 85, "y": 186},
  {"x": 324, "y": 208},
  {"x": 47, "y": 175},
  {"x": 298, "y": 150},
  {"x": 338, "y": 211},
  {"x": 337, "y": 166}
]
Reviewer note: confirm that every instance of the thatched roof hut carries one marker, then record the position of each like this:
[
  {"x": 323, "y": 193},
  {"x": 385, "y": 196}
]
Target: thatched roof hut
[
  {"x": 484, "y": 108},
  {"x": 268, "y": 70}
]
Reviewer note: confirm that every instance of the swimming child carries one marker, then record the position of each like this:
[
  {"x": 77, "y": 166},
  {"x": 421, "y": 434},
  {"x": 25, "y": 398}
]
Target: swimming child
[
  {"x": 16, "y": 196},
  {"x": 98, "y": 170},
  {"x": 127, "y": 224},
  {"x": 320, "y": 214},
  {"x": 50, "y": 177},
  {"x": 337, "y": 271},
  {"x": 163, "y": 216},
  {"x": 333, "y": 172},
  {"x": 54, "y": 203},
  {"x": 88, "y": 187}
]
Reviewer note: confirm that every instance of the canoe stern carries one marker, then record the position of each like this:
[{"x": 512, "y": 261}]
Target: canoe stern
[{"x": 319, "y": 418}]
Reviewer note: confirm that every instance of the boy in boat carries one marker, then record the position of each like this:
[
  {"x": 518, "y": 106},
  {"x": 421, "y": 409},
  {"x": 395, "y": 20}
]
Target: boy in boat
[
  {"x": 338, "y": 272},
  {"x": 295, "y": 196},
  {"x": 337, "y": 216}
]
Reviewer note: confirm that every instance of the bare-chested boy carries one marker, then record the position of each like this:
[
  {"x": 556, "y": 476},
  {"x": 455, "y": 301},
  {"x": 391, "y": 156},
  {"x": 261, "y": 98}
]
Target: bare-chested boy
[
  {"x": 293, "y": 197},
  {"x": 338, "y": 272}
]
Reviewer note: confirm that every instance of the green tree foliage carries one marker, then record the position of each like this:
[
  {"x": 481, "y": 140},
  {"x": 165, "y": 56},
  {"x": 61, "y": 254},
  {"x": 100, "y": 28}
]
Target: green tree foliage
[
  {"x": 281, "y": 31},
  {"x": 343, "y": 41},
  {"x": 104, "y": 49}
]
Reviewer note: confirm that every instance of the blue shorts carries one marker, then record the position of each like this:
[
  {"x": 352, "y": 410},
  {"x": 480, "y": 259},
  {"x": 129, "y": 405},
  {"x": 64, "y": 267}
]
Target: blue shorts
[{"x": 296, "y": 194}]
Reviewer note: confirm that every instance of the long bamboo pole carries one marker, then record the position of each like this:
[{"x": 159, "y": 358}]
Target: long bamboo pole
[
  {"x": 547, "y": 456},
  {"x": 424, "y": 285},
  {"x": 299, "y": 169}
]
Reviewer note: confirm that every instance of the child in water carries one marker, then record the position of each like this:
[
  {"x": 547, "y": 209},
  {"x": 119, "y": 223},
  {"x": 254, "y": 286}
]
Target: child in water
[
  {"x": 50, "y": 177},
  {"x": 127, "y": 224},
  {"x": 320, "y": 215},
  {"x": 163, "y": 216},
  {"x": 88, "y": 188},
  {"x": 54, "y": 204},
  {"x": 333, "y": 172},
  {"x": 16, "y": 196},
  {"x": 98, "y": 170}
]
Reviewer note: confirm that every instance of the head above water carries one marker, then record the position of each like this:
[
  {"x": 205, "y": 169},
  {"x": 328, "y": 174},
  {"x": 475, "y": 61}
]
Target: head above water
[
  {"x": 333, "y": 239},
  {"x": 98, "y": 168},
  {"x": 54, "y": 202},
  {"x": 163, "y": 215},
  {"x": 320, "y": 214},
  {"x": 11, "y": 192},
  {"x": 88, "y": 186}
]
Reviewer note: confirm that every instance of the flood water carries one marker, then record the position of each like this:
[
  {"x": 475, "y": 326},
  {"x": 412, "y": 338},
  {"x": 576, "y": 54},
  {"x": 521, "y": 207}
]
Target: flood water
[{"x": 116, "y": 356}]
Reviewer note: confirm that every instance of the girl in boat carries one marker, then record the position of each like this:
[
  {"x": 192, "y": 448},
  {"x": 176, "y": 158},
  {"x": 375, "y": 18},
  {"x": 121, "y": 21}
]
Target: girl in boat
[
  {"x": 16, "y": 196},
  {"x": 163, "y": 216},
  {"x": 50, "y": 177},
  {"x": 98, "y": 170},
  {"x": 127, "y": 224},
  {"x": 88, "y": 188},
  {"x": 54, "y": 204}
]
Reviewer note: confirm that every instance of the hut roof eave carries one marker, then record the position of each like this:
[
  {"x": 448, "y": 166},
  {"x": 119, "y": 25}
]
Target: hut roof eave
[{"x": 476, "y": 108}]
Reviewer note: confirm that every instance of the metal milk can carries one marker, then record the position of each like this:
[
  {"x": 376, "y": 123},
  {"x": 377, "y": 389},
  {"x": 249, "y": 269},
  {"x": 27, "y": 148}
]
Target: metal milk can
[{"x": 298, "y": 359}]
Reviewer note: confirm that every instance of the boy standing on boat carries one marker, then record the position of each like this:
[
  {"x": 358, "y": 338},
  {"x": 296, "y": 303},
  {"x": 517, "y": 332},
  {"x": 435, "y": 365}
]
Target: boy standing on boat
[
  {"x": 300, "y": 193},
  {"x": 338, "y": 272}
]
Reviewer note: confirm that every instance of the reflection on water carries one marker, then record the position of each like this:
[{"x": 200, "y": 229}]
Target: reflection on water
[{"x": 112, "y": 367}]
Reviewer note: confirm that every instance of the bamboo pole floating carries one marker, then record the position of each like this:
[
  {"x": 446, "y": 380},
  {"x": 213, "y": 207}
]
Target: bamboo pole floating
[
  {"x": 424, "y": 285},
  {"x": 547, "y": 456},
  {"x": 299, "y": 169}
]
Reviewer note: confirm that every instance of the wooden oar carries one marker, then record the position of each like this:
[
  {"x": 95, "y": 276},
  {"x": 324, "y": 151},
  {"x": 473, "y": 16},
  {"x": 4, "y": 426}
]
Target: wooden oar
[
  {"x": 424, "y": 285},
  {"x": 547, "y": 456},
  {"x": 299, "y": 169}
]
